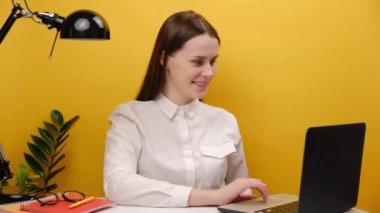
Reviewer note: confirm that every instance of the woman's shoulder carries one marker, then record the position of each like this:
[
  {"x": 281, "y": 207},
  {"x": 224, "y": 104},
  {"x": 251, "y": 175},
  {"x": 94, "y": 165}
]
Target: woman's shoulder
[
  {"x": 216, "y": 111},
  {"x": 136, "y": 104},
  {"x": 132, "y": 106},
  {"x": 221, "y": 119}
]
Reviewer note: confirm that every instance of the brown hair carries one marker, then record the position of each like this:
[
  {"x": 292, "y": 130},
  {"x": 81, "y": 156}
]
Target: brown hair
[{"x": 175, "y": 31}]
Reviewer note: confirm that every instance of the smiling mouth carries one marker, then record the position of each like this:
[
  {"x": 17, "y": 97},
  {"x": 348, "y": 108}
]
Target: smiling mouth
[{"x": 201, "y": 84}]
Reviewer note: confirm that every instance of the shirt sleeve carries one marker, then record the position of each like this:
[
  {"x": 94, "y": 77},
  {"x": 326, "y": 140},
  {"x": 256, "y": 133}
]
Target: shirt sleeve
[
  {"x": 121, "y": 181},
  {"x": 236, "y": 164}
]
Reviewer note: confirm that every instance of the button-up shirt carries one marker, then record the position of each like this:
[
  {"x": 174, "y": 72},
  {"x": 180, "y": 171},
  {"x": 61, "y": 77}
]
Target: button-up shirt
[{"x": 156, "y": 152}]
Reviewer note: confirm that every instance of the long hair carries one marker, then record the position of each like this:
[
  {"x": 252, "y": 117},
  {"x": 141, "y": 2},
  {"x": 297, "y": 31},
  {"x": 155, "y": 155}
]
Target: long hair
[{"x": 175, "y": 31}]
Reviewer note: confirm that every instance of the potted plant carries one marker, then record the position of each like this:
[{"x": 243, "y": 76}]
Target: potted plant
[{"x": 45, "y": 156}]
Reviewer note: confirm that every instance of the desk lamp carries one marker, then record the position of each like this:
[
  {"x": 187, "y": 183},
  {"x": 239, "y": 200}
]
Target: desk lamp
[
  {"x": 5, "y": 172},
  {"x": 82, "y": 24}
]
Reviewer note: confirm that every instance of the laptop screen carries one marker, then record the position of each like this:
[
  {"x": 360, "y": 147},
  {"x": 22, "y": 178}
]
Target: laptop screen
[{"x": 331, "y": 168}]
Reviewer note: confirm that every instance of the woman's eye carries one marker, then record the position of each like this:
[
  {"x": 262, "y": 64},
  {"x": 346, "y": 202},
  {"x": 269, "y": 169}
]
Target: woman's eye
[
  {"x": 198, "y": 62},
  {"x": 203, "y": 62}
]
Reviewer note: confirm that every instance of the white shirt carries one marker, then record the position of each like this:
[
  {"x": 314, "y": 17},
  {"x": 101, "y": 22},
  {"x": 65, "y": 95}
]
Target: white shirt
[{"x": 156, "y": 152}]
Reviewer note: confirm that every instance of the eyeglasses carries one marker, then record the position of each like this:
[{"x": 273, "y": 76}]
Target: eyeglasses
[{"x": 50, "y": 198}]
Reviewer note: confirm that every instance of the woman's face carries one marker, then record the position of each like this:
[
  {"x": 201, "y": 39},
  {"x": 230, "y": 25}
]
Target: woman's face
[{"x": 190, "y": 69}]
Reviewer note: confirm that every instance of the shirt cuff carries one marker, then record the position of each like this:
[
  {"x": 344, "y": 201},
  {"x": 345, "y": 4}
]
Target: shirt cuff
[{"x": 181, "y": 195}]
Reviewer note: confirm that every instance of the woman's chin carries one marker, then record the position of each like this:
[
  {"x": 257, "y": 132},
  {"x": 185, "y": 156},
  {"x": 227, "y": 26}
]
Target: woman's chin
[{"x": 201, "y": 95}]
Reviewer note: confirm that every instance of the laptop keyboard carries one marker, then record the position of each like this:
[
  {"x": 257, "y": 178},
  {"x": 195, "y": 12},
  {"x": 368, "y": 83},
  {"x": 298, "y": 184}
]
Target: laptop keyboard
[{"x": 284, "y": 208}]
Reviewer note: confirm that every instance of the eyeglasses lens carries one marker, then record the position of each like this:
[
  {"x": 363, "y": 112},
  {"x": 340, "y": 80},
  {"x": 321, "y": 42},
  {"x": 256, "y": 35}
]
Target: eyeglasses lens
[
  {"x": 46, "y": 198},
  {"x": 73, "y": 196}
]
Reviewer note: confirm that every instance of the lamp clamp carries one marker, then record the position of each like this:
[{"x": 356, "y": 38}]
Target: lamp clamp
[{"x": 51, "y": 20}]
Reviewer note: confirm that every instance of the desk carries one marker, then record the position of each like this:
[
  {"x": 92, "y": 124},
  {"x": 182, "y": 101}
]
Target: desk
[{"x": 133, "y": 209}]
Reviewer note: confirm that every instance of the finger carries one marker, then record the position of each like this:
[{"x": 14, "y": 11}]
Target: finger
[
  {"x": 248, "y": 196},
  {"x": 261, "y": 187},
  {"x": 258, "y": 180},
  {"x": 254, "y": 196},
  {"x": 263, "y": 191},
  {"x": 244, "y": 197}
]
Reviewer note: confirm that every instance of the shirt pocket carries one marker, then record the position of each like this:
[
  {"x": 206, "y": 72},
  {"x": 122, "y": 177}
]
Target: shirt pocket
[
  {"x": 218, "y": 151},
  {"x": 214, "y": 164}
]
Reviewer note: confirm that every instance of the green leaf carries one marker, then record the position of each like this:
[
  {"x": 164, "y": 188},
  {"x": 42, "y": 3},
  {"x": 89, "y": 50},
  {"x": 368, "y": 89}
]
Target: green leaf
[
  {"x": 51, "y": 127},
  {"x": 24, "y": 179},
  {"x": 34, "y": 165},
  {"x": 42, "y": 145},
  {"x": 46, "y": 135},
  {"x": 37, "y": 190},
  {"x": 61, "y": 140},
  {"x": 60, "y": 150},
  {"x": 56, "y": 161},
  {"x": 38, "y": 154},
  {"x": 54, "y": 173},
  {"x": 66, "y": 126},
  {"x": 32, "y": 187},
  {"x": 18, "y": 177},
  {"x": 20, "y": 181},
  {"x": 33, "y": 176},
  {"x": 51, "y": 187},
  {"x": 23, "y": 168},
  {"x": 57, "y": 117}
]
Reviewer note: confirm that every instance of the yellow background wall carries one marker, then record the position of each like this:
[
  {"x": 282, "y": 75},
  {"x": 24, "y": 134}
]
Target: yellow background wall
[{"x": 284, "y": 66}]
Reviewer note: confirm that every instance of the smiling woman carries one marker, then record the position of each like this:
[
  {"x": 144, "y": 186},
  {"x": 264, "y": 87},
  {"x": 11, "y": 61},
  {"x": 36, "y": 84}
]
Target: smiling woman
[
  {"x": 190, "y": 69},
  {"x": 168, "y": 149}
]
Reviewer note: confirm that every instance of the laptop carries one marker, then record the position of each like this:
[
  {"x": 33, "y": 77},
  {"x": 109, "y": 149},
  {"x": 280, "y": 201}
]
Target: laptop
[{"x": 330, "y": 174}]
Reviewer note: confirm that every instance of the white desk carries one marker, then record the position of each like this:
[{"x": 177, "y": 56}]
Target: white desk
[{"x": 133, "y": 209}]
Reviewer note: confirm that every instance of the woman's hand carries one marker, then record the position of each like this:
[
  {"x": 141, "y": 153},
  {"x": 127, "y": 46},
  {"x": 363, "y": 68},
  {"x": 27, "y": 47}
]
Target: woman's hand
[{"x": 232, "y": 192}]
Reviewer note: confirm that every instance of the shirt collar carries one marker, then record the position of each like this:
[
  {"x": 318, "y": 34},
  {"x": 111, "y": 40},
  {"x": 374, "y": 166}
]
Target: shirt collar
[{"x": 170, "y": 108}]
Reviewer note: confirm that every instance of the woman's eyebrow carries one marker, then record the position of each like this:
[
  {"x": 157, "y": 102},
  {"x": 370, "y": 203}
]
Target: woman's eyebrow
[{"x": 204, "y": 57}]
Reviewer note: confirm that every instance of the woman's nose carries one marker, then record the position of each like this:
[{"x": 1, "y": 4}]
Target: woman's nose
[{"x": 208, "y": 70}]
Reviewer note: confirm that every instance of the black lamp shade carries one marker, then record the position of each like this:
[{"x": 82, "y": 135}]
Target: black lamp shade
[{"x": 84, "y": 24}]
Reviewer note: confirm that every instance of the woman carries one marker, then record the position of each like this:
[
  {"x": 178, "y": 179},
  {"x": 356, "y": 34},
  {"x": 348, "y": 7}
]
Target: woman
[{"x": 168, "y": 149}]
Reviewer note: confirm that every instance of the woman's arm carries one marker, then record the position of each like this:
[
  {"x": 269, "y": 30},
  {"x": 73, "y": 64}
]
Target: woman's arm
[
  {"x": 122, "y": 183},
  {"x": 238, "y": 185}
]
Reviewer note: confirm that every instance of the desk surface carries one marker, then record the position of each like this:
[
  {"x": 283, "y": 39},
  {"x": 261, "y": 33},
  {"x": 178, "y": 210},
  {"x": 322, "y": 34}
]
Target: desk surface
[{"x": 124, "y": 209}]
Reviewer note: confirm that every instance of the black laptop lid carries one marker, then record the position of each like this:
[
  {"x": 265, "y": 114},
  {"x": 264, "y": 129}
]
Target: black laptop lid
[{"x": 331, "y": 168}]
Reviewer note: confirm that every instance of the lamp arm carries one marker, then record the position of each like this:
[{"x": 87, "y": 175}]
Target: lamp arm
[
  {"x": 10, "y": 21},
  {"x": 51, "y": 20}
]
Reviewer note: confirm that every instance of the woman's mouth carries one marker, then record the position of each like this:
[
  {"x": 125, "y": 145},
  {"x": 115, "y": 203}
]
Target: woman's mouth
[{"x": 201, "y": 84}]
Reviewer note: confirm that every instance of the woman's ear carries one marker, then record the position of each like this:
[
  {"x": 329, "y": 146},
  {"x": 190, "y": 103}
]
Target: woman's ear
[{"x": 162, "y": 58}]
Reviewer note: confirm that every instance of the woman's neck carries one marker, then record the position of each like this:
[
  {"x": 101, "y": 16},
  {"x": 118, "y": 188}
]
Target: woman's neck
[{"x": 179, "y": 101}]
